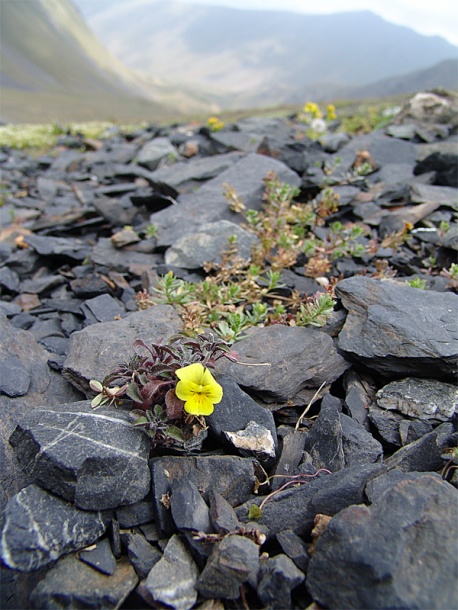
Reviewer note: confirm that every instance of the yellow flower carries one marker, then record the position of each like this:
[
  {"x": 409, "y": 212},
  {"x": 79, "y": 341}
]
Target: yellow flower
[
  {"x": 331, "y": 112},
  {"x": 198, "y": 389}
]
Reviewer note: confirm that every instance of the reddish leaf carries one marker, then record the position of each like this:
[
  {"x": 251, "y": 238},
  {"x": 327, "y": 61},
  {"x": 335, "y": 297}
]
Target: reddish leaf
[{"x": 173, "y": 405}]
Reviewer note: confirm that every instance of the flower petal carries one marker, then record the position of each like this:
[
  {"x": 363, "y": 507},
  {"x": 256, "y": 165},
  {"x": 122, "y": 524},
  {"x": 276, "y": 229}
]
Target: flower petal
[
  {"x": 199, "y": 404},
  {"x": 214, "y": 392},
  {"x": 192, "y": 372},
  {"x": 186, "y": 389}
]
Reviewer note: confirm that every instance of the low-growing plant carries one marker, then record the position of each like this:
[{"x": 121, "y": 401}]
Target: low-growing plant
[{"x": 169, "y": 385}]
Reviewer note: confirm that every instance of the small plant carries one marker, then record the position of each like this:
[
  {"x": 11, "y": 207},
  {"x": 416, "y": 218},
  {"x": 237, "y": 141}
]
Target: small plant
[
  {"x": 170, "y": 386},
  {"x": 416, "y": 282},
  {"x": 151, "y": 230},
  {"x": 452, "y": 274}
]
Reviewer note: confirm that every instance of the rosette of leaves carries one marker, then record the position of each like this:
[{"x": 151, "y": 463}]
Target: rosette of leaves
[{"x": 148, "y": 379}]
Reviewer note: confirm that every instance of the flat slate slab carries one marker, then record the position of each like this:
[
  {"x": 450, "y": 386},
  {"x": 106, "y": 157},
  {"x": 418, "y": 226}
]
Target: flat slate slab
[
  {"x": 397, "y": 330},
  {"x": 95, "y": 459}
]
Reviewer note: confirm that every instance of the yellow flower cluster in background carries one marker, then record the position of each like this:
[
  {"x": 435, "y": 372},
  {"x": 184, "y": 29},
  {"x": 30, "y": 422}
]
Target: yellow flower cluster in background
[
  {"x": 214, "y": 123},
  {"x": 313, "y": 110}
]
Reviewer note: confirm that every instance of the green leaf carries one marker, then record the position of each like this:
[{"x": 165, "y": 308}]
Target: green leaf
[
  {"x": 174, "y": 432},
  {"x": 254, "y": 512},
  {"x": 133, "y": 392}
]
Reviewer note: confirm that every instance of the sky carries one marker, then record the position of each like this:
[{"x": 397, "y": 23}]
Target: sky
[{"x": 429, "y": 17}]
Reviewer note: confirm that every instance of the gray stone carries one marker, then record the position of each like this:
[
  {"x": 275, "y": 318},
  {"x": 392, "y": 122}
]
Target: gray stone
[
  {"x": 232, "y": 416},
  {"x": 295, "y": 548},
  {"x": 396, "y": 330},
  {"x": 95, "y": 459},
  {"x": 142, "y": 555},
  {"x": 295, "y": 508},
  {"x": 398, "y": 553},
  {"x": 154, "y": 151},
  {"x": 387, "y": 424},
  {"x": 291, "y": 358},
  {"x": 231, "y": 563},
  {"x": 172, "y": 580},
  {"x": 103, "y": 308},
  {"x": 233, "y": 477},
  {"x": 72, "y": 584},
  {"x": 72, "y": 248},
  {"x": 422, "y": 398},
  {"x": 98, "y": 349},
  {"x": 100, "y": 557},
  {"x": 428, "y": 193},
  {"x": 238, "y": 140},
  {"x": 135, "y": 514},
  {"x": 207, "y": 244},
  {"x": 27, "y": 382},
  {"x": 278, "y": 576},
  {"x": 292, "y": 452},
  {"x": 190, "y": 513},
  {"x": 209, "y": 204},
  {"x": 423, "y": 454},
  {"x": 181, "y": 176},
  {"x": 125, "y": 260},
  {"x": 38, "y": 528}
]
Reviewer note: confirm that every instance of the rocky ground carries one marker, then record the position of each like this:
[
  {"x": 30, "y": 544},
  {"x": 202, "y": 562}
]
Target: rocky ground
[{"x": 356, "y": 419}]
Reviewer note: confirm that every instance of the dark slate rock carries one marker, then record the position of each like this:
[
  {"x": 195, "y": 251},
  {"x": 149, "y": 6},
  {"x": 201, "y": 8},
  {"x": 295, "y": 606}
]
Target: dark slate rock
[
  {"x": 102, "y": 308},
  {"x": 135, "y": 514},
  {"x": 72, "y": 584},
  {"x": 359, "y": 446},
  {"x": 180, "y": 175},
  {"x": 26, "y": 376},
  {"x": 38, "y": 528},
  {"x": 9, "y": 279},
  {"x": 231, "y": 563},
  {"x": 118, "y": 212},
  {"x": 232, "y": 477},
  {"x": 423, "y": 454},
  {"x": 100, "y": 557},
  {"x": 359, "y": 396},
  {"x": 246, "y": 177},
  {"x": 97, "y": 349},
  {"x": 123, "y": 260},
  {"x": 381, "y": 331},
  {"x": 154, "y": 151},
  {"x": 295, "y": 548},
  {"x": 222, "y": 515},
  {"x": 296, "y": 358},
  {"x": 234, "y": 413},
  {"x": 238, "y": 140},
  {"x": 95, "y": 459},
  {"x": 292, "y": 452},
  {"x": 444, "y": 165},
  {"x": 382, "y": 148},
  {"x": 72, "y": 248},
  {"x": 421, "y": 398},
  {"x": 14, "y": 379},
  {"x": 427, "y": 193},
  {"x": 43, "y": 284},
  {"x": 296, "y": 508},
  {"x": 412, "y": 430},
  {"x": 398, "y": 553},
  {"x": 189, "y": 510},
  {"x": 386, "y": 424},
  {"x": 207, "y": 244},
  {"x": 324, "y": 442},
  {"x": 142, "y": 555},
  {"x": 378, "y": 486},
  {"x": 172, "y": 580},
  {"x": 277, "y": 578}
]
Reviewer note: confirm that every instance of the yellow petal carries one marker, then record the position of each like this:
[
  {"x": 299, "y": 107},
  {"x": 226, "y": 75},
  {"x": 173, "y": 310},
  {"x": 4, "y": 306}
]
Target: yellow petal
[
  {"x": 192, "y": 372},
  {"x": 199, "y": 405},
  {"x": 186, "y": 389},
  {"x": 214, "y": 392}
]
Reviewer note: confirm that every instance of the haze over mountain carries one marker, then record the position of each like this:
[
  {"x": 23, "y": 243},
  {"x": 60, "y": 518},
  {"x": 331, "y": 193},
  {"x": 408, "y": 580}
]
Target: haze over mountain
[
  {"x": 251, "y": 58},
  {"x": 54, "y": 68}
]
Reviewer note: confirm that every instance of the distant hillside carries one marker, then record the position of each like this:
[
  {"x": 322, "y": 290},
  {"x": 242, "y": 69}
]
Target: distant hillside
[
  {"x": 53, "y": 68},
  {"x": 444, "y": 74},
  {"x": 251, "y": 58}
]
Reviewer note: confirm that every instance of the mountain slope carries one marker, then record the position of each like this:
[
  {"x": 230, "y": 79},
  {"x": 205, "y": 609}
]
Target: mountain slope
[
  {"x": 261, "y": 57},
  {"x": 53, "y": 68}
]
